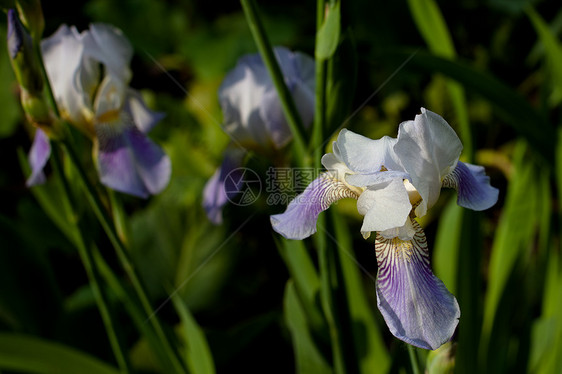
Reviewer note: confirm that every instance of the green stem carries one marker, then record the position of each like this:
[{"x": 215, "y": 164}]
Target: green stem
[
  {"x": 289, "y": 108},
  {"x": 413, "y": 359},
  {"x": 122, "y": 254},
  {"x": 93, "y": 275},
  {"x": 320, "y": 100}
]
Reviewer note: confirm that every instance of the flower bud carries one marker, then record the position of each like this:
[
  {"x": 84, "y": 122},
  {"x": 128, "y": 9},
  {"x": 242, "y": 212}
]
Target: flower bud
[
  {"x": 32, "y": 17},
  {"x": 22, "y": 55},
  {"x": 40, "y": 115}
]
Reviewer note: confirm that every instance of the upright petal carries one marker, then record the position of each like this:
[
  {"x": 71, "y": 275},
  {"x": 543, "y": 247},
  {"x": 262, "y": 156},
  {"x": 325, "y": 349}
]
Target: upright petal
[
  {"x": 38, "y": 156},
  {"x": 128, "y": 161},
  {"x": 63, "y": 56},
  {"x": 299, "y": 220},
  {"x": 108, "y": 45},
  {"x": 429, "y": 150},
  {"x": 274, "y": 121},
  {"x": 362, "y": 154},
  {"x": 225, "y": 180},
  {"x": 415, "y": 304},
  {"x": 473, "y": 186}
]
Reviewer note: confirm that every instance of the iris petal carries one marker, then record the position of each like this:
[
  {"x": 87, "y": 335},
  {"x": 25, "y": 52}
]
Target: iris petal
[
  {"x": 38, "y": 156},
  {"x": 473, "y": 186},
  {"x": 130, "y": 162},
  {"x": 429, "y": 149},
  {"x": 362, "y": 154},
  {"x": 225, "y": 179},
  {"x": 299, "y": 220},
  {"x": 415, "y": 304}
]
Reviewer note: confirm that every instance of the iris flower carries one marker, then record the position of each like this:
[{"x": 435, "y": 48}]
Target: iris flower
[
  {"x": 394, "y": 181},
  {"x": 89, "y": 74},
  {"x": 253, "y": 116}
]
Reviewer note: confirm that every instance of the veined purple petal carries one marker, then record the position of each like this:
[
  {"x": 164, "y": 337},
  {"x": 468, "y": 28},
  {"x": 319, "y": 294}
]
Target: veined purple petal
[
  {"x": 473, "y": 186},
  {"x": 225, "y": 181},
  {"x": 130, "y": 162},
  {"x": 299, "y": 220},
  {"x": 38, "y": 156},
  {"x": 415, "y": 304}
]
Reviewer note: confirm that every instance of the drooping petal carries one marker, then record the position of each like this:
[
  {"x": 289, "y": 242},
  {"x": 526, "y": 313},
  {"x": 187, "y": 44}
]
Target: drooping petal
[
  {"x": 144, "y": 118},
  {"x": 38, "y": 156},
  {"x": 299, "y": 220},
  {"x": 429, "y": 150},
  {"x": 385, "y": 205},
  {"x": 362, "y": 154},
  {"x": 473, "y": 186},
  {"x": 415, "y": 304},
  {"x": 128, "y": 161},
  {"x": 226, "y": 180}
]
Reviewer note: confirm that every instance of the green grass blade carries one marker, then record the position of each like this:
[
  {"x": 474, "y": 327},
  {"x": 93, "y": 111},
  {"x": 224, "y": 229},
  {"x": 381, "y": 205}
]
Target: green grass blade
[
  {"x": 432, "y": 26},
  {"x": 369, "y": 347},
  {"x": 308, "y": 359},
  {"x": 553, "y": 51},
  {"x": 31, "y": 354},
  {"x": 197, "y": 353},
  {"x": 513, "y": 108},
  {"x": 447, "y": 242}
]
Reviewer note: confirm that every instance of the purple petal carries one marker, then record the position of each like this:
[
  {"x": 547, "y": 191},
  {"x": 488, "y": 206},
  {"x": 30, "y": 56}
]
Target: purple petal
[
  {"x": 38, "y": 156},
  {"x": 299, "y": 220},
  {"x": 274, "y": 120},
  {"x": 473, "y": 186},
  {"x": 16, "y": 34},
  {"x": 415, "y": 304},
  {"x": 226, "y": 179},
  {"x": 130, "y": 162}
]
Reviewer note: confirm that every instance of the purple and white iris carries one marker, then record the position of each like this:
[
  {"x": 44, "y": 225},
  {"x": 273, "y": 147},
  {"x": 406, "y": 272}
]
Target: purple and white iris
[
  {"x": 89, "y": 74},
  {"x": 253, "y": 116},
  {"x": 395, "y": 180}
]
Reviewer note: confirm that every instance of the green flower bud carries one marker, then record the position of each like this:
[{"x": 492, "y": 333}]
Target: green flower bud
[{"x": 31, "y": 16}]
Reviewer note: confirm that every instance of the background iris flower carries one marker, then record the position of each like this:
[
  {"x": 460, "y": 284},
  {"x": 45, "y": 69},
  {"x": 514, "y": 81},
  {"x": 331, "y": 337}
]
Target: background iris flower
[
  {"x": 253, "y": 116},
  {"x": 89, "y": 73}
]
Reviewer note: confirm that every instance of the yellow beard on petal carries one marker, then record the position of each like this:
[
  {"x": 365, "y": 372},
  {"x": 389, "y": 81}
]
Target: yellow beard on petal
[{"x": 403, "y": 249}]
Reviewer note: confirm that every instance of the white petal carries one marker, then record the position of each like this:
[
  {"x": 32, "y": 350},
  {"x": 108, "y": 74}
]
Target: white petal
[
  {"x": 362, "y": 154},
  {"x": 429, "y": 150},
  {"x": 385, "y": 206}
]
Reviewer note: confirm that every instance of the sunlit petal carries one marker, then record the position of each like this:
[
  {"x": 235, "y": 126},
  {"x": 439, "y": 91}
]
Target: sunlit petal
[
  {"x": 362, "y": 154},
  {"x": 473, "y": 186},
  {"x": 299, "y": 220},
  {"x": 385, "y": 205},
  {"x": 415, "y": 304},
  {"x": 429, "y": 150}
]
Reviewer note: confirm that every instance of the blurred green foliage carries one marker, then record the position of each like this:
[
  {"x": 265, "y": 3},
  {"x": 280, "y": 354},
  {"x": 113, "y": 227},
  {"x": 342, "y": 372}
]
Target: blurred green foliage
[{"x": 491, "y": 68}]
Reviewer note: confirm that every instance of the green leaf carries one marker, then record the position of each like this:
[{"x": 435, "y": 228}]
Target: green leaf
[
  {"x": 553, "y": 52},
  {"x": 328, "y": 34},
  {"x": 372, "y": 354},
  {"x": 9, "y": 104},
  {"x": 509, "y": 105},
  {"x": 432, "y": 26},
  {"x": 197, "y": 353},
  {"x": 447, "y": 242},
  {"x": 307, "y": 356},
  {"x": 31, "y": 354},
  {"x": 515, "y": 232}
]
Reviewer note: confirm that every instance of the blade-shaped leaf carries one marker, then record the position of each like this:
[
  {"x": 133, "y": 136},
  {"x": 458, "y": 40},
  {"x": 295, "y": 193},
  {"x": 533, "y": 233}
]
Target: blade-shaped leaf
[{"x": 31, "y": 354}]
